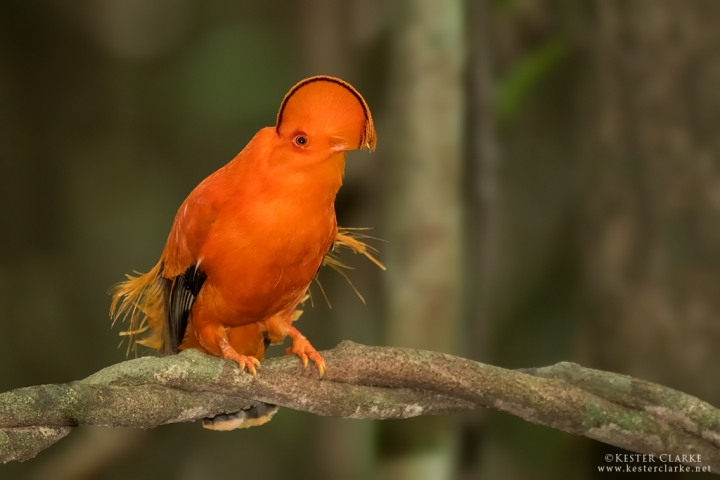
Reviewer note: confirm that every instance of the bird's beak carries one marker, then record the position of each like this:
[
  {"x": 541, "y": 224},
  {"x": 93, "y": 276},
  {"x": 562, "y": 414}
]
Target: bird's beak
[
  {"x": 340, "y": 144},
  {"x": 341, "y": 148},
  {"x": 349, "y": 141}
]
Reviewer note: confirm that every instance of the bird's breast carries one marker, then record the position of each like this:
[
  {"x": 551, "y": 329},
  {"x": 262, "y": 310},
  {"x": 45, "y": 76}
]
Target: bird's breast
[{"x": 262, "y": 259}]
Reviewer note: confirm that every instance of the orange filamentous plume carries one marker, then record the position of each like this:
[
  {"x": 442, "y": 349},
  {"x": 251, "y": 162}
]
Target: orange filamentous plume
[
  {"x": 140, "y": 301},
  {"x": 350, "y": 238}
]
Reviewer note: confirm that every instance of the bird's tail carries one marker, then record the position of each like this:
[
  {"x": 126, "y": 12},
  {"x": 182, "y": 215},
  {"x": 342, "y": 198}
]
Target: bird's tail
[
  {"x": 252, "y": 417},
  {"x": 140, "y": 300}
]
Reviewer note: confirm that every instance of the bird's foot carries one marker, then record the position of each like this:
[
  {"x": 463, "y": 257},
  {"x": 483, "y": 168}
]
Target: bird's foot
[
  {"x": 244, "y": 361},
  {"x": 302, "y": 348}
]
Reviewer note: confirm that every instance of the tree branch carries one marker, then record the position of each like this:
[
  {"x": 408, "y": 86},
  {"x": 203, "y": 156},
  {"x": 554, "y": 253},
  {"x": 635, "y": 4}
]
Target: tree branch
[{"x": 364, "y": 382}]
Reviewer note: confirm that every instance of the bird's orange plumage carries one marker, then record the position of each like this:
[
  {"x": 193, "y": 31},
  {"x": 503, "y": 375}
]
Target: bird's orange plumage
[{"x": 249, "y": 239}]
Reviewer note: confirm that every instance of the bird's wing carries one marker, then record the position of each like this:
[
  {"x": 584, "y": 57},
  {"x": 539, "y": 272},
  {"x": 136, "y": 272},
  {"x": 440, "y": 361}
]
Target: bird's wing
[
  {"x": 190, "y": 229},
  {"x": 181, "y": 262},
  {"x": 183, "y": 292}
]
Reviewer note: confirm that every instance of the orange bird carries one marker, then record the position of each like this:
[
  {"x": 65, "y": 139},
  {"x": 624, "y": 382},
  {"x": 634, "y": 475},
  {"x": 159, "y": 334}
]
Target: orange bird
[{"x": 249, "y": 239}]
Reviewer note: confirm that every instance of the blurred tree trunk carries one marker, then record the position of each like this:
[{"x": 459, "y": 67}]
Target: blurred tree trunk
[
  {"x": 483, "y": 186},
  {"x": 652, "y": 234},
  {"x": 482, "y": 215},
  {"x": 424, "y": 215}
]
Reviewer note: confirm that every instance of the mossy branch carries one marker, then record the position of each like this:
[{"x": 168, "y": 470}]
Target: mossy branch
[{"x": 364, "y": 382}]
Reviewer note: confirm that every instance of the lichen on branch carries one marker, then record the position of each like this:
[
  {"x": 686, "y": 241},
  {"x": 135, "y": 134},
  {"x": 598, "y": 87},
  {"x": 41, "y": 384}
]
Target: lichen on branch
[{"x": 364, "y": 382}]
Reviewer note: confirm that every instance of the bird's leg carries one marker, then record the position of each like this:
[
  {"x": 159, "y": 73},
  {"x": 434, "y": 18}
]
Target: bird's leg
[
  {"x": 214, "y": 339},
  {"x": 302, "y": 348},
  {"x": 243, "y": 360}
]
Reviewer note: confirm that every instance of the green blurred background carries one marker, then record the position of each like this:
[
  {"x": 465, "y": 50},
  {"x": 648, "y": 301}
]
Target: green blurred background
[{"x": 547, "y": 177}]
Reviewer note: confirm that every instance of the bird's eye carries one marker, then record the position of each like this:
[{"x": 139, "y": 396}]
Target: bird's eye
[{"x": 300, "y": 140}]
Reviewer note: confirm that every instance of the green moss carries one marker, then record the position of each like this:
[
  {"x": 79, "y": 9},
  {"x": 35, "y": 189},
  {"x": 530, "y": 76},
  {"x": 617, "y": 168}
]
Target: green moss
[
  {"x": 4, "y": 438},
  {"x": 706, "y": 419},
  {"x": 597, "y": 417},
  {"x": 674, "y": 400},
  {"x": 618, "y": 382},
  {"x": 204, "y": 367},
  {"x": 705, "y": 416},
  {"x": 194, "y": 365},
  {"x": 594, "y": 417}
]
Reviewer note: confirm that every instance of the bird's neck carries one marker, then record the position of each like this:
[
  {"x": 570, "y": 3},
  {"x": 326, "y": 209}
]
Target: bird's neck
[
  {"x": 314, "y": 185},
  {"x": 258, "y": 172}
]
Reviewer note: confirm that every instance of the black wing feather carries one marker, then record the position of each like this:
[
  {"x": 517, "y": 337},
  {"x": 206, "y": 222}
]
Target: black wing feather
[{"x": 183, "y": 291}]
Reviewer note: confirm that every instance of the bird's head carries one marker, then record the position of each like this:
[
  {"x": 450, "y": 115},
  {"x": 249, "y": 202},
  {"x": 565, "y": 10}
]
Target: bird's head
[{"x": 322, "y": 116}]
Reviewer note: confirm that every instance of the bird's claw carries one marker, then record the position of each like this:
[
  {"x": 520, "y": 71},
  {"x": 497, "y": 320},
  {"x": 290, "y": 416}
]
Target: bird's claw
[
  {"x": 246, "y": 361},
  {"x": 302, "y": 348}
]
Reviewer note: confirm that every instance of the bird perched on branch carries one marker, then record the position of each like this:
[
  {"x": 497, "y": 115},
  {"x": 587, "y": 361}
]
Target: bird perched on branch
[{"x": 249, "y": 239}]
